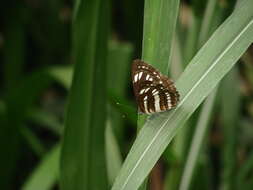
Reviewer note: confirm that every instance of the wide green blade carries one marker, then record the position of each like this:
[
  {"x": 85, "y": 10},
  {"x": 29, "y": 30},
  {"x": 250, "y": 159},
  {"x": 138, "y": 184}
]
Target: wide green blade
[
  {"x": 83, "y": 154},
  {"x": 203, "y": 73}
]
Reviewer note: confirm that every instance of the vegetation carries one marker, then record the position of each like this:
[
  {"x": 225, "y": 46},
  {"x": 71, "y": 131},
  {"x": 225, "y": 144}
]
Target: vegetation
[{"x": 68, "y": 119}]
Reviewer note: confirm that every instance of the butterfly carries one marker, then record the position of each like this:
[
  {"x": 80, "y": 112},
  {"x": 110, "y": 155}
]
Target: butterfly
[{"x": 154, "y": 92}]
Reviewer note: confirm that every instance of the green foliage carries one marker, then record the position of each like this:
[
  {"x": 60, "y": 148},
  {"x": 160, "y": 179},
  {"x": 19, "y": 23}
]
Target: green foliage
[
  {"x": 83, "y": 150},
  {"x": 207, "y": 68},
  {"x": 68, "y": 119},
  {"x": 46, "y": 173},
  {"x": 159, "y": 26}
]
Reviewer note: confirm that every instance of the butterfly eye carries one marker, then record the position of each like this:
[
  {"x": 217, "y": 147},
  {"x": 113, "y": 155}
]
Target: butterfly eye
[{"x": 154, "y": 92}]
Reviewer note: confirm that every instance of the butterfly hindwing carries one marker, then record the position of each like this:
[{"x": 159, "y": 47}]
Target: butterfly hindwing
[{"x": 153, "y": 91}]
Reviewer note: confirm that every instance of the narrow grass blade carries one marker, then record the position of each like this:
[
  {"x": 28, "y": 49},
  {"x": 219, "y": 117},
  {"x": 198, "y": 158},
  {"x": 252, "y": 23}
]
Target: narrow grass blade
[
  {"x": 204, "y": 72},
  {"x": 46, "y": 174},
  {"x": 206, "y": 22},
  {"x": 113, "y": 157},
  {"x": 230, "y": 116},
  {"x": 33, "y": 141},
  {"x": 190, "y": 46},
  {"x": 20, "y": 97},
  {"x": 202, "y": 124},
  {"x": 83, "y": 151},
  {"x": 13, "y": 53},
  {"x": 118, "y": 69},
  {"x": 46, "y": 119},
  {"x": 244, "y": 176},
  {"x": 197, "y": 141},
  {"x": 159, "y": 25},
  {"x": 177, "y": 62}
]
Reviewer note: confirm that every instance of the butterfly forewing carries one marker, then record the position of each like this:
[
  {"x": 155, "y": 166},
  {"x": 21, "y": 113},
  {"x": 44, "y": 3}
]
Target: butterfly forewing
[{"x": 154, "y": 92}]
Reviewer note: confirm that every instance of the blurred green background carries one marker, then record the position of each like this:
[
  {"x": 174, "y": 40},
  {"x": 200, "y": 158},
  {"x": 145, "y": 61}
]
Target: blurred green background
[{"x": 41, "y": 41}]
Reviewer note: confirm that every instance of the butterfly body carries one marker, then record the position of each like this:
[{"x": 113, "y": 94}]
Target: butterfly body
[{"x": 154, "y": 92}]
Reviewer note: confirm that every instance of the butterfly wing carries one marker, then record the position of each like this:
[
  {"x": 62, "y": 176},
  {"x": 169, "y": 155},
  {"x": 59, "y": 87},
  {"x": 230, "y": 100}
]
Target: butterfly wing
[{"x": 153, "y": 91}]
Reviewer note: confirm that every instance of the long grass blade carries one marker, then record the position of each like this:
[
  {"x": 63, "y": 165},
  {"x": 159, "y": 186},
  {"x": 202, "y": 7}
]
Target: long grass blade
[
  {"x": 83, "y": 151},
  {"x": 33, "y": 141},
  {"x": 230, "y": 117},
  {"x": 245, "y": 173},
  {"x": 113, "y": 156},
  {"x": 12, "y": 119},
  {"x": 197, "y": 141},
  {"x": 159, "y": 25},
  {"x": 46, "y": 174},
  {"x": 206, "y": 22}
]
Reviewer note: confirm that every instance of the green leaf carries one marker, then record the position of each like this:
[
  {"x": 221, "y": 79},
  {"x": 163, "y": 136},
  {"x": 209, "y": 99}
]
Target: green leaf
[
  {"x": 118, "y": 69},
  {"x": 45, "y": 175},
  {"x": 33, "y": 141},
  {"x": 244, "y": 176},
  {"x": 123, "y": 107},
  {"x": 118, "y": 76},
  {"x": 206, "y": 22},
  {"x": 230, "y": 113},
  {"x": 62, "y": 74},
  {"x": 200, "y": 77},
  {"x": 48, "y": 120},
  {"x": 159, "y": 25},
  {"x": 20, "y": 97},
  {"x": 197, "y": 138},
  {"x": 197, "y": 141},
  {"x": 113, "y": 156},
  {"x": 177, "y": 62},
  {"x": 191, "y": 46},
  {"x": 83, "y": 151}
]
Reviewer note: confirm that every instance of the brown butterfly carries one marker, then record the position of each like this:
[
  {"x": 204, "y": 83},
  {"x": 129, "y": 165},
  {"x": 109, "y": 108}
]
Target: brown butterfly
[{"x": 153, "y": 91}]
